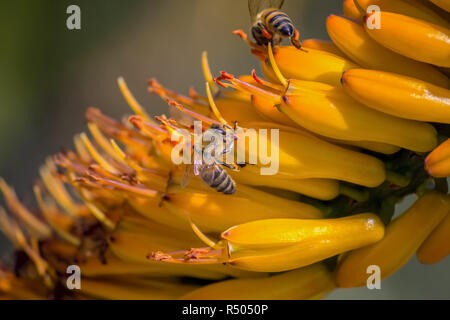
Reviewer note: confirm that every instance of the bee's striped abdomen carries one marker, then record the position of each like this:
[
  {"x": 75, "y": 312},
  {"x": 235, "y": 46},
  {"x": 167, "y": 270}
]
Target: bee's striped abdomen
[
  {"x": 278, "y": 22},
  {"x": 219, "y": 180}
]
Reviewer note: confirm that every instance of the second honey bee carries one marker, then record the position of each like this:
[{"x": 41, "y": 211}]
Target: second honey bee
[
  {"x": 213, "y": 174},
  {"x": 270, "y": 25}
]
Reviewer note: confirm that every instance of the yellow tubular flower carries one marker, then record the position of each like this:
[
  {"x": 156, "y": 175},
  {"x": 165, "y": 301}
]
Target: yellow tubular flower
[
  {"x": 411, "y": 8},
  {"x": 404, "y": 235},
  {"x": 330, "y": 112},
  {"x": 437, "y": 162},
  {"x": 369, "y": 145},
  {"x": 314, "y": 65},
  {"x": 350, "y": 10},
  {"x": 276, "y": 245},
  {"x": 265, "y": 108},
  {"x": 437, "y": 246},
  {"x": 323, "y": 189},
  {"x": 323, "y": 45},
  {"x": 413, "y": 38},
  {"x": 304, "y": 283},
  {"x": 398, "y": 95},
  {"x": 351, "y": 38},
  {"x": 283, "y": 244}
]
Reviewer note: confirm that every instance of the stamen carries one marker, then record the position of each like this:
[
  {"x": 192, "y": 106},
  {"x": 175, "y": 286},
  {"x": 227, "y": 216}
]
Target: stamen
[
  {"x": 58, "y": 191},
  {"x": 244, "y": 37},
  {"x": 186, "y": 258},
  {"x": 137, "y": 108},
  {"x": 213, "y": 106},
  {"x": 20, "y": 241},
  {"x": 103, "y": 172},
  {"x": 100, "y": 215},
  {"x": 193, "y": 114},
  {"x": 81, "y": 149},
  {"x": 155, "y": 132},
  {"x": 159, "y": 256},
  {"x": 119, "y": 154},
  {"x": 265, "y": 83},
  {"x": 275, "y": 68},
  {"x": 247, "y": 87},
  {"x": 48, "y": 216},
  {"x": 207, "y": 72},
  {"x": 199, "y": 253},
  {"x": 33, "y": 224},
  {"x": 63, "y": 161},
  {"x": 102, "y": 141},
  {"x": 165, "y": 94},
  {"x": 170, "y": 125},
  {"x": 135, "y": 190},
  {"x": 202, "y": 236},
  {"x": 96, "y": 155},
  {"x": 115, "y": 128},
  {"x": 6, "y": 227},
  {"x": 194, "y": 94}
]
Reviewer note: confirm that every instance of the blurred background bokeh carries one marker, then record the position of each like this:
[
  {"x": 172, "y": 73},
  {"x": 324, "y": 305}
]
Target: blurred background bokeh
[{"x": 50, "y": 75}]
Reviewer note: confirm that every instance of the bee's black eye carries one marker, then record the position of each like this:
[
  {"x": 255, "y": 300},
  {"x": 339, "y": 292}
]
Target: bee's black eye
[
  {"x": 256, "y": 30},
  {"x": 287, "y": 30}
]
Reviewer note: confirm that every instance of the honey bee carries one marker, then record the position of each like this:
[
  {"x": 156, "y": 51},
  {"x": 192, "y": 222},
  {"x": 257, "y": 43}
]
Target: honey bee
[
  {"x": 213, "y": 174},
  {"x": 270, "y": 25}
]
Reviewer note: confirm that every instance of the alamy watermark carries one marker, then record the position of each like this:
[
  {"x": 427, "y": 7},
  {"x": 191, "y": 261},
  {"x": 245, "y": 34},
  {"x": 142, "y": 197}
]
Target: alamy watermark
[
  {"x": 374, "y": 280},
  {"x": 74, "y": 279},
  {"x": 373, "y": 20},
  {"x": 73, "y": 21}
]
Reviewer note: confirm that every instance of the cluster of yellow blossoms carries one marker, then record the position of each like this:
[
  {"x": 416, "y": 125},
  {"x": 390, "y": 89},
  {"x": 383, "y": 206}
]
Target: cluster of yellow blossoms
[{"x": 362, "y": 123}]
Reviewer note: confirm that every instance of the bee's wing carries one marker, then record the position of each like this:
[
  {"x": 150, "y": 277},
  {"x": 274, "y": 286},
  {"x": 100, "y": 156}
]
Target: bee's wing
[
  {"x": 187, "y": 175},
  {"x": 256, "y": 6}
]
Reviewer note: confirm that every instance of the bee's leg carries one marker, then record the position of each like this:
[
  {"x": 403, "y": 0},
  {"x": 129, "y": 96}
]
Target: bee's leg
[
  {"x": 231, "y": 167},
  {"x": 244, "y": 37},
  {"x": 295, "y": 40},
  {"x": 228, "y": 166},
  {"x": 228, "y": 147}
]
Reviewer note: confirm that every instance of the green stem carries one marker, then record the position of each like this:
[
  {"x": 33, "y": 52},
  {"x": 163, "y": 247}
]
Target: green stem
[
  {"x": 355, "y": 194},
  {"x": 397, "y": 179}
]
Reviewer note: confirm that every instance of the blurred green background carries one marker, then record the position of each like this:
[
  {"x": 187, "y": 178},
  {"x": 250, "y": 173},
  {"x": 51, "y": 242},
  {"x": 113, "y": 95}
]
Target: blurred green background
[{"x": 50, "y": 75}]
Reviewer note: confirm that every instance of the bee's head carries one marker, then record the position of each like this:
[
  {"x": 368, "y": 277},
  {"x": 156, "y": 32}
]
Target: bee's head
[{"x": 287, "y": 30}]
